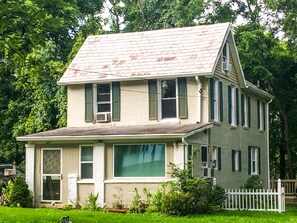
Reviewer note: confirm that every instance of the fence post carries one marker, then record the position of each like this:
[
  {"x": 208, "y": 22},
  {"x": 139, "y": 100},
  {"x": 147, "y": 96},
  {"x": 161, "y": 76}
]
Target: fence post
[
  {"x": 214, "y": 182},
  {"x": 279, "y": 195}
]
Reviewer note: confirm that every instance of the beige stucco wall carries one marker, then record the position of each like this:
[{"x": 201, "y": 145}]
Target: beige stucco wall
[{"x": 134, "y": 104}]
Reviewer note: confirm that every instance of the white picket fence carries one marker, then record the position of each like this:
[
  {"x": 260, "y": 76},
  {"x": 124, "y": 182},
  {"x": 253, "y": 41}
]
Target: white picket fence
[{"x": 256, "y": 200}]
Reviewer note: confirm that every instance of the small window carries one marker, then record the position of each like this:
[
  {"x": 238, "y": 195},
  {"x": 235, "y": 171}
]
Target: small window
[
  {"x": 144, "y": 160},
  {"x": 254, "y": 160},
  {"x": 204, "y": 156},
  {"x": 226, "y": 67},
  {"x": 103, "y": 98},
  {"x": 168, "y": 99},
  {"x": 236, "y": 160},
  {"x": 214, "y": 157},
  {"x": 86, "y": 162}
]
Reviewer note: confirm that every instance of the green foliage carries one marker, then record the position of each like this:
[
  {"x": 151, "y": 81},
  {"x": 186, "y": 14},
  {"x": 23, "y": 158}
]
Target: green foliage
[
  {"x": 92, "y": 202},
  {"x": 138, "y": 205},
  {"x": 253, "y": 182},
  {"x": 6, "y": 193},
  {"x": 20, "y": 195},
  {"x": 118, "y": 204}
]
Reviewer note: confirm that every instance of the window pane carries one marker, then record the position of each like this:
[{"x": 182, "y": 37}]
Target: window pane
[
  {"x": 51, "y": 188},
  {"x": 169, "y": 108},
  {"x": 103, "y": 88},
  {"x": 86, "y": 153},
  {"x": 51, "y": 161},
  {"x": 86, "y": 170},
  {"x": 139, "y": 160},
  {"x": 103, "y": 98},
  {"x": 104, "y": 107},
  {"x": 168, "y": 89}
]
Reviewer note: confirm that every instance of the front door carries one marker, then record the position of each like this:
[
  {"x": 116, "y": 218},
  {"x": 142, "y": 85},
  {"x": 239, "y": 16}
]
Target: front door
[{"x": 51, "y": 174}]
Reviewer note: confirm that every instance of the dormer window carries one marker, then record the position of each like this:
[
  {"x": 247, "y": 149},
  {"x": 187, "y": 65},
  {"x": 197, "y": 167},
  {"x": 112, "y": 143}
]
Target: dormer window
[{"x": 226, "y": 66}]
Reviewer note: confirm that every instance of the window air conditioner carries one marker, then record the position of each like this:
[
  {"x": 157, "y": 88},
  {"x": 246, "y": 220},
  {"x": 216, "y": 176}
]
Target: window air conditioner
[
  {"x": 226, "y": 66},
  {"x": 103, "y": 117},
  {"x": 208, "y": 172}
]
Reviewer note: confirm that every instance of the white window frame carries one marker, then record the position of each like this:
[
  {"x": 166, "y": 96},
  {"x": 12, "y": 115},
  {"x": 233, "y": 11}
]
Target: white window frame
[
  {"x": 214, "y": 157},
  {"x": 216, "y": 99},
  {"x": 96, "y": 103},
  {"x": 236, "y": 160},
  {"x": 246, "y": 115},
  {"x": 233, "y": 106},
  {"x": 139, "y": 179},
  {"x": 261, "y": 114},
  {"x": 58, "y": 175},
  {"x": 254, "y": 161},
  {"x": 226, "y": 58},
  {"x": 80, "y": 162},
  {"x": 159, "y": 90}
]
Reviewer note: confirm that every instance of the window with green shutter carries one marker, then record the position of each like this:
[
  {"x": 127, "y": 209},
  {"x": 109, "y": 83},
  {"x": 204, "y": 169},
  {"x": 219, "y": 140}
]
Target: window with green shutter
[
  {"x": 182, "y": 98},
  {"x": 153, "y": 100},
  {"x": 116, "y": 101}
]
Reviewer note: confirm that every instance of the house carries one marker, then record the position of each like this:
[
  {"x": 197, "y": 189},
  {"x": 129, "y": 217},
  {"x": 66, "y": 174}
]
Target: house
[{"x": 138, "y": 101}]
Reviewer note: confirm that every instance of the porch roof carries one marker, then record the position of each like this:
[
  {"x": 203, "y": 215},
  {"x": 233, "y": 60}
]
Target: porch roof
[{"x": 166, "y": 130}]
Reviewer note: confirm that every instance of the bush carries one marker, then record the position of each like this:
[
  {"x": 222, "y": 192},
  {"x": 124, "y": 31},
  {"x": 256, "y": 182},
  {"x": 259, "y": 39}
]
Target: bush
[
  {"x": 253, "y": 182},
  {"x": 20, "y": 194}
]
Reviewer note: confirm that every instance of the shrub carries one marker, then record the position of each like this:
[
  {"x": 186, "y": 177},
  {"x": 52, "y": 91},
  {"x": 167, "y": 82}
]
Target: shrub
[
  {"x": 20, "y": 194},
  {"x": 92, "y": 202},
  {"x": 138, "y": 205},
  {"x": 253, "y": 182},
  {"x": 6, "y": 193}
]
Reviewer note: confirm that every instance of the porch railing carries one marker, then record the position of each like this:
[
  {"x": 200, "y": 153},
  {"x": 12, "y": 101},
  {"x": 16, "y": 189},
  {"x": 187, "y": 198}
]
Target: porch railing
[{"x": 289, "y": 185}]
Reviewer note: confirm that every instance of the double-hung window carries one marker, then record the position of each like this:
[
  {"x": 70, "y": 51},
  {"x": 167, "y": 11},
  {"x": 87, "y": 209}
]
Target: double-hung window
[
  {"x": 86, "y": 162},
  {"x": 261, "y": 113},
  {"x": 204, "y": 156},
  {"x": 226, "y": 58},
  {"x": 168, "y": 99},
  {"x": 236, "y": 160},
  {"x": 245, "y": 111},
  {"x": 216, "y": 158},
  {"x": 103, "y": 98},
  {"x": 233, "y": 109},
  {"x": 254, "y": 160},
  {"x": 216, "y": 100},
  {"x": 139, "y": 160}
]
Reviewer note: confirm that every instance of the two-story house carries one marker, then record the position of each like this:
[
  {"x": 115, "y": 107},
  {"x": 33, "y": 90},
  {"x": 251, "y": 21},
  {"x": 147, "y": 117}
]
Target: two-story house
[{"x": 138, "y": 101}]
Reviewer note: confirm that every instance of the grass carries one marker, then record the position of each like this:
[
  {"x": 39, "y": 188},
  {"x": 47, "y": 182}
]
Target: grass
[{"x": 53, "y": 215}]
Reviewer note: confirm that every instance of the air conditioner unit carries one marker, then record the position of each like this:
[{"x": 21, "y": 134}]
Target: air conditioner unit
[
  {"x": 103, "y": 117},
  {"x": 226, "y": 66},
  {"x": 208, "y": 172},
  {"x": 9, "y": 172}
]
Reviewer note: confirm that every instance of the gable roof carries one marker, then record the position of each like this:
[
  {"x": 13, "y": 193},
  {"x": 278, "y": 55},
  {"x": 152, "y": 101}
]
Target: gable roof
[{"x": 150, "y": 54}]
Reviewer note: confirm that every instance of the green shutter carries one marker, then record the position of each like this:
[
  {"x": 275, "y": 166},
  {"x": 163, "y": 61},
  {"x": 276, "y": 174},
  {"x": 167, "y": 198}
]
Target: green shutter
[
  {"x": 229, "y": 104},
  {"x": 239, "y": 160},
  {"x": 203, "y": 154},
  {"x": 211, "y": 96},
  {"x": 153, "y": 100},
  {"x": 88, "y": 103},
  {"x": 249, "y": 160},
  {"x": 242, "y": 110},
  {"x": 182, "y": 98},
  {"x": 259, "y": 160},
  {"x": 237, "y": 106},
  {"x": 249, "y": 112},
  {"x": 258, "y": 113},
  {"x": 233, "y": 160},
  {"x": 116, "y": 101},
  {"x": 219, "y": 158},
  {"x": 264, "y": 116},
  {"x": 221, "y": 101}
]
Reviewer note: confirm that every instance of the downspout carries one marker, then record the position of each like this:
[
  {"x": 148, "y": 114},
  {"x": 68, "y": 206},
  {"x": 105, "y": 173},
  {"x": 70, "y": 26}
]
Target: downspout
[
  {"x": 267, "y": 141},
  {"x": 185, "y": 151},
  {"x": 199, "y": 105}
]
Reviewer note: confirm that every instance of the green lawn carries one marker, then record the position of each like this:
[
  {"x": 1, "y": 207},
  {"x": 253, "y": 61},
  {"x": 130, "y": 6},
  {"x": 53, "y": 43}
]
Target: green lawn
[{"x": 53, "y": 215}]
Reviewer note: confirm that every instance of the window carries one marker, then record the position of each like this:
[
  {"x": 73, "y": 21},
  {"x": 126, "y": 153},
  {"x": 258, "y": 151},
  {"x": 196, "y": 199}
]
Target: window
[
  {"x": 236, "y": 160},
  {"x": 86, "y": 162},
  {"x": 168, "y": 99},
  {"x": 226, "y": 58},
  {"x": 143, "y": 160},
  {"x": 216, "y": 100},
  {"x": 261, "y": 113},
  {"x": 233, "y": 105},
  {"x": 254, "y": 160},
  {"x": 103, "y": 98},
  {"x": 216, "y": 158},
  {"x": 204, "y": 156},
  {"x": 245, "y": 111},
  {"x": 102, "y": 102}
]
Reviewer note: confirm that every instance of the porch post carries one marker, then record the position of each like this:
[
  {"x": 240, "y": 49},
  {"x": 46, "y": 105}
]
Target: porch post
[
  {"x": 179, "y": 155},
  {"x": 99, "y": 169},
  {"x": 30, "y": 164}
]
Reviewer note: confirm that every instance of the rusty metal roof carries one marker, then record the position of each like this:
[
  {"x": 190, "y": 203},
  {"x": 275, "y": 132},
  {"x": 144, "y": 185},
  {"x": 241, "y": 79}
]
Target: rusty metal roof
[
  {"x": 114, "y": 132},
  {"x": 149, "y": 54}
]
